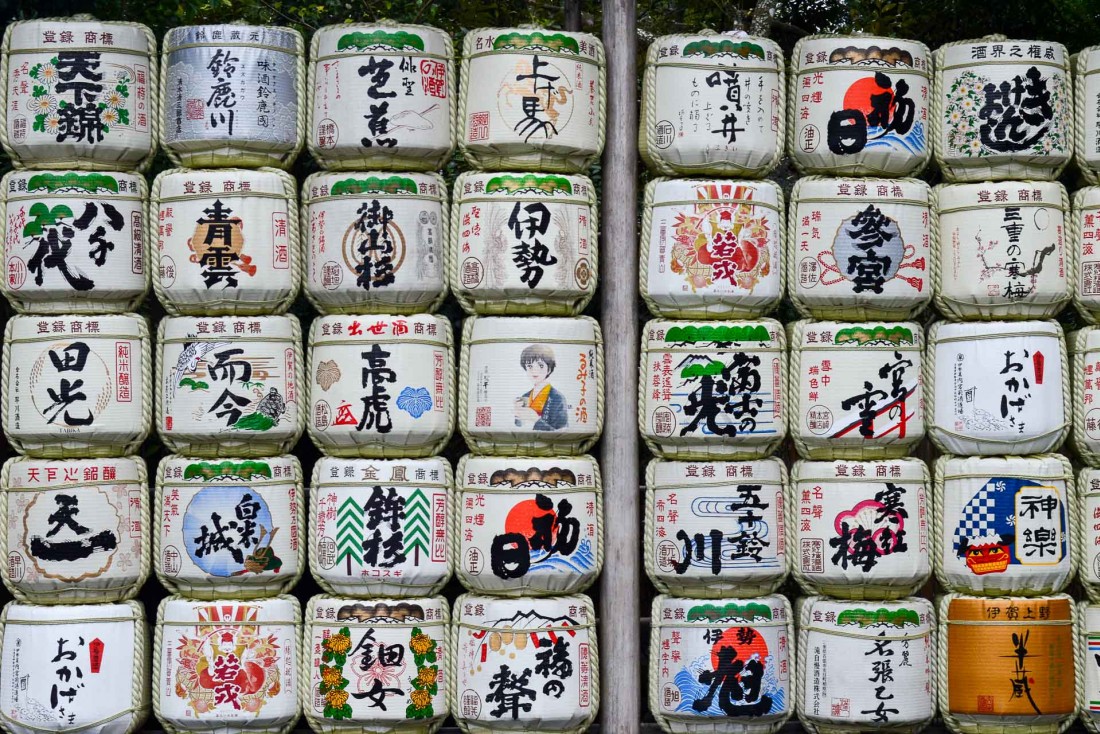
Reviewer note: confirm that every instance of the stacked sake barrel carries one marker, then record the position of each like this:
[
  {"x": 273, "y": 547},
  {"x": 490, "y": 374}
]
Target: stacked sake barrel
[{"x": 77, "y": 373}]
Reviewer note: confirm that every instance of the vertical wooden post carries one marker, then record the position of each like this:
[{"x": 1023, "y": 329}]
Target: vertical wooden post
[
  {"x": 622, "y": 682},
  {"x": 572, "y": 15}
]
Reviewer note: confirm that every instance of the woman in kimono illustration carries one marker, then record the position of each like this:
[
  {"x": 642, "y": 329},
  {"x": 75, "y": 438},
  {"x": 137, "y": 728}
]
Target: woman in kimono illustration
[{"x": 543, "y": 406}]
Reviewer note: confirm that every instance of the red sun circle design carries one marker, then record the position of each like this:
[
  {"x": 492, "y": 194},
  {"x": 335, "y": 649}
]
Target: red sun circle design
[
  {"x": 745, "y": 651},
  {"x": 520, "y": 516},
  {"x": 858, "y": 96}
]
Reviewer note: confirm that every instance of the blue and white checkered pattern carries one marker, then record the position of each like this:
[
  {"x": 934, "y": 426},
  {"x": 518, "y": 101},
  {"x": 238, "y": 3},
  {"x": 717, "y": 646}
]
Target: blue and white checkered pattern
[{"x": 978, "y": 518}]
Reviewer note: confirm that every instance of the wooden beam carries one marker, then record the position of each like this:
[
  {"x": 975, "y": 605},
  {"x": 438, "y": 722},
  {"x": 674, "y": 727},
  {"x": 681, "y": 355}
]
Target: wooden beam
[{"x": 572, "y": 15}]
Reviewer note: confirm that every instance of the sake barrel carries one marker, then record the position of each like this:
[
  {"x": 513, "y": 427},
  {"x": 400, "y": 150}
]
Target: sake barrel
[
  {"x": 528, "y": 526},
  {"x": 531, "y": 100},
  {"x": 857, "y": 389},
  {"x": 700, "y": 648},
  {"x": 77, "y": 386},
  {"x": 1084, "y": 355},
  {"x": 987, "y": 645},
  {"x": 375, "y": 242},
  {"x": 859, "y": 248},
  {"x": 237, "y": 249},
  {"x": 524, "y": 243},
  {"x": 859, "y": 106},
  {"x": 716, "y": 528},
  {"x": 1002, "y": 109},
  {"x": 998, "y": 388},
  {"x": 74, "y": 242},
  {"x": 1002, "y": 525},
  {"x": 381, "y": 386},
  {"x": 1086, "y": 531},
  {"x": 524, "y": 664},
  {"x": 549, "y": 399},
  {"x": 1084, "y": 253},
  {"x": 232, "y": 95},
  {"x": 74, "y": 668},
  {"x": 229, "y": 527},
  {"x": 861, "y": 528},
  {"x": 381, "y": 526},
  {"x": 999, "y": 250},
  {"x": 73, "y": 531},
  {"x": 79, "y": 94},
  {"x": 407, "y": 73},
  {"x": 713, "y": 104},
  {"x": 405, "y": 644},
  {"x": 1086, "y": 117},
  {"x": 712, "y": 389},
  {"x": 873, "y": 666},
  {"x": 229, "y": 386},
  {"x": 712, "y": 248},
  {"x": 1088, "y": 673},
  {"x": 247, "y": 657}
]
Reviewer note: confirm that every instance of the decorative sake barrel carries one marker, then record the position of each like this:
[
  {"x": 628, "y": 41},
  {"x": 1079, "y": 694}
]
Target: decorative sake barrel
[
  {"x": 861, "y": 528},
  {"x": 704, "y": 652},
  {"x": 229, "y": 386},
  {"x": 712, "y": 248},
  {"x": 227, "y": 665},
  {"x": 375, "y": 242},
  {"x": 712, "y": 389},
  {"x": 1086, "y": 532},
  {"x": 1002, "y": 109},
  {"x": 74, "y": 531},
  {"x": 74, "y": 242},
  {"x": 1086, "y": 117},
  {"x": 531, "y": 100},
  {"x": 381, "y": 96},
  {"x": 212, "y": 264},
  {"x": 716, "y": 528},
  {"x": 74, "y": 668},
  {"x": 713, "y": 104},
  {"x": 79, "y": 94},
  {"x": 381, "y": 526},
  {"x": 999, "y": 250},
  {"x": 232, "y": 95},
  {"x": 997, "y": 388},
  {"x": 381, "y": 386},
  {"x": 545, "y": 648},
  {"x": 549, "y": 400},
  {"x": 77, "y": 386},
  {"x": 987, "y": 645},
  {"x": 866, "y": 667},
  {"x": 403, "y": 644},
  {"x": 528, "y": 526},
  {"x": 1003, "y": 525},
  {"x": 857, "y": 389},
  {"x": 1086, "y": 644},
  {"x": 523, "y": 243},
  {"x": 859, "y": 106},
  {"x": 859, "y": 248},
  {"x": 229, "y": 527},
  {"x": 1084, "y": 355},
  {"x": 1084, "y": 253}
]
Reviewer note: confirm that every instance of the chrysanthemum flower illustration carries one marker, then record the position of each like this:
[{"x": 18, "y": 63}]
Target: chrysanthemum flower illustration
[
  {"x": 330, "y": 676},
  {"x": 45, "y": 104},
  {"x": 114, "y": 99},
  {"x": 336, "y": 699},
  {"x": 109, "y": 116},
  {"x": 421, "y": 699},
  {"x": 47, "y": 73},
  {"x": 427, "y": 676},
  {"x": 338, "y": 644},
  {"x": 421, "y": 644},
  {"x": 52, "y": 122}
]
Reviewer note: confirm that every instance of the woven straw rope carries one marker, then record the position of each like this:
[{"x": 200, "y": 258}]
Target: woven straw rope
[
  {"x": 532, "y": 444},
  {"x": 1028, "y": 586},
  {"x": 652, "y": 155},
  {"x": 378, "y": 446},
  {"x": 1080, "y": 65},
  {"x": 1048, "y": 441},
  {"x": 139, "y": 680},
  {"x": 158, "y": 659},
  {"x": 866, "y": 311},
  {"x": 232, "y": 306},
  {"x": 968, "y": 308},
  {"x": 82, "y": 164},
  {"x": 1005, "y": 725},
  {"x": 1089, "y": 313},
  {"x": 722, "y": 307},
  {"x": 454, "y": 669},
  {"x": 523, "y": 587},
  {"x": 236, "y": 153},
  {"x": 385, "y": 158},
  {"x": 718, "y": 586},
  {"x": 213, "y": 588},
  {"x": 535, "y": 158},
  {"x": 857, "y": 168},
  {"x": 402, "y": 588},
  {"x": 371, "y": 306},
  {"x": 473, "y": 301},
  {"x": 213, "y": 445},
  {"x": 1001, "y": 166},
  {"x": 1086, "y": 449},
  {"x": 82, "y": 447},
  {"x": 869, "y": 588}
]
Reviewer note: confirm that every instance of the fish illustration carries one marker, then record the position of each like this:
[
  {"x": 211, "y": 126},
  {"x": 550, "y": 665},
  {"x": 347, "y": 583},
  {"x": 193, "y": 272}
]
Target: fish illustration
[{"x": 192, "y": 354}]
